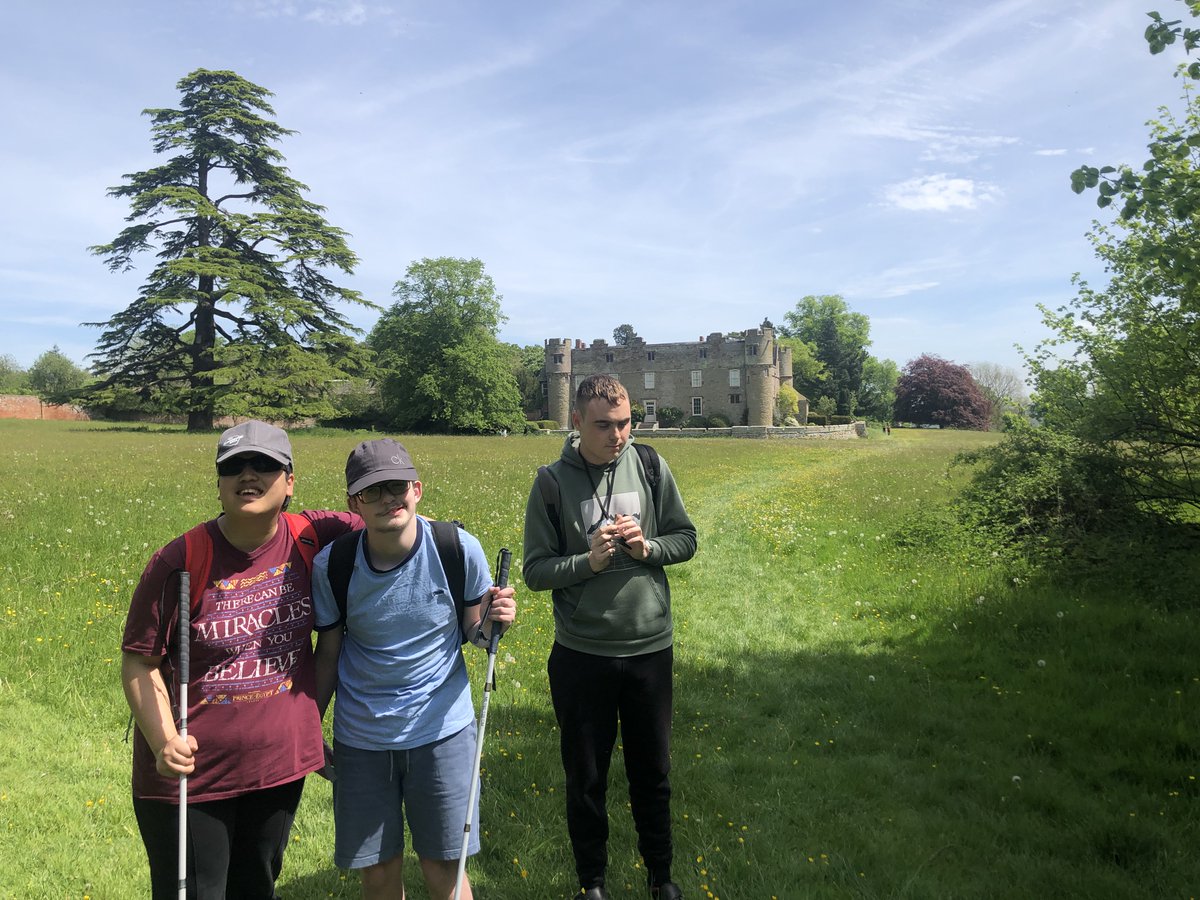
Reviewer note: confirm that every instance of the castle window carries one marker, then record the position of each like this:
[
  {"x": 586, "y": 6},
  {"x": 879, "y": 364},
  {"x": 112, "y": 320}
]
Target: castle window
[
  {"x": 735, "y": 377},
  {"x": 650, "y": 355},
  {"x": 704, "y": 353},
  {"x": 558, "y": 357},
  {"x": 752, "y": 349},
  {"x": 608, "y": 357},
  {"x": 649, "y": 379},
  {"x": 697, "y": 406},
  {"x": 735, "y": 398},
  {"x": 696, "y": 378}
]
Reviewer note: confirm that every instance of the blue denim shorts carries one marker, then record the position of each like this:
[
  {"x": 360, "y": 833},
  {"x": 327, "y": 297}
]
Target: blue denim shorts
[{"x": 376, "y": 790}]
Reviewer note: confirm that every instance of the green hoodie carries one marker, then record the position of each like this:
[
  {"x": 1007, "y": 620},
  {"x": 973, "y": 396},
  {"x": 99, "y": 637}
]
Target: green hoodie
[{"x": 625, "y": 610}]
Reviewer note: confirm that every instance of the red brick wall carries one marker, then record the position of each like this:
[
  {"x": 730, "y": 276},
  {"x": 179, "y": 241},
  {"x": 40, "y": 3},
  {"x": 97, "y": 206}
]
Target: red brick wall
[{"x": 16, "y": 406}]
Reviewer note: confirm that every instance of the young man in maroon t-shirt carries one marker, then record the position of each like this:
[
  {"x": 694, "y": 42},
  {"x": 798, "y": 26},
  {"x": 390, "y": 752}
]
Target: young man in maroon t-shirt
[{"x": 253, "y": 727}]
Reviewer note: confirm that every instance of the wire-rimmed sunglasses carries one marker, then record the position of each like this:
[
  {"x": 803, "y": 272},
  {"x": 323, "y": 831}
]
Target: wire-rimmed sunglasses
[
  {"x": 263, "y": 465},
  {"x": 375, "y": 491}
]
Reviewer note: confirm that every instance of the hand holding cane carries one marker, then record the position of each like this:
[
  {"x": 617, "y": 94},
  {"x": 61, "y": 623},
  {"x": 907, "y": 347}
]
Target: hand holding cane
[
  {"x": 489, "y": 685},
  {"x": 185, "y": 599}
]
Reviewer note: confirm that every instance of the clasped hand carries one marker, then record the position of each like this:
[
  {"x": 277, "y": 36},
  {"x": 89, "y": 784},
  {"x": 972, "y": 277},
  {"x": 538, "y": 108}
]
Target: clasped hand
[{"x": 623, "y": 535}]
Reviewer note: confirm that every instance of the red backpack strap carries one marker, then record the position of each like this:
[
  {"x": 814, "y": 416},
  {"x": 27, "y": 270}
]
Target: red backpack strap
[
  {"x": 304, "y": 535},
  {"x": 198, "y": 551},
  {"x": 197, "y": 560}
]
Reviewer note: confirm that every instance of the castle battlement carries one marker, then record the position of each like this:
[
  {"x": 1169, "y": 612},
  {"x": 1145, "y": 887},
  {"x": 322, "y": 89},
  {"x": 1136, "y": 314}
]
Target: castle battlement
[{"x": 735, "y": 375}]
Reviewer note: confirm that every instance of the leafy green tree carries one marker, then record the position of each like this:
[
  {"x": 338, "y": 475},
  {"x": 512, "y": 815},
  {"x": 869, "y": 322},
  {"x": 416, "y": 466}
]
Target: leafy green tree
[
  {"x": 528, "y": 363},
  {"x": 934, "y": 391},
  {"x": 826, "y": 407},
  {"x": 877, "y": 397},
  {"x": 237, "y": 316},
  {"x": 1123, "y": 368},
  {"x": 53, "y": 376},
  {"x": 787, "y": 403},
  {"x": 1004, "y": 388},
  {"x": 13, "y": 378},
  {"x": 443, "y": 367},
  {"x": 840, "y": 339},
  {"x": 808, "y": 372},
  {"x": 624, "y": 335}
]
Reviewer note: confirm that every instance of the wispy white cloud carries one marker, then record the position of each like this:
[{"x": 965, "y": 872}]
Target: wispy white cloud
[
  {"x": 940, "y": 193},
  {"x": 1055, "y": 152},
  {"x": 320, "y": 12}
]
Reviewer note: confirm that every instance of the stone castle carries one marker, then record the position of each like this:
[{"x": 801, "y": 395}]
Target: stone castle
[{"x": 737, "y": 377}]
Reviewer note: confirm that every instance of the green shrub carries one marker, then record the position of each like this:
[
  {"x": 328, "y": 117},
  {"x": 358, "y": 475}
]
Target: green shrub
[
  {"x": 696, "y": 422},
  {"x": 1045, "y": 491},
  {"x": 670, "y": 416},
  {"x": 717, "y": 420}
]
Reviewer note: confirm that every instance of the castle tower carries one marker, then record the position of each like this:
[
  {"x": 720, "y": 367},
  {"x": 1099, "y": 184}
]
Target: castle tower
[
  {"x": 761, "y": 378},
  {"x": 785, "y": 366},
  {"x": 558, "y": 380}
]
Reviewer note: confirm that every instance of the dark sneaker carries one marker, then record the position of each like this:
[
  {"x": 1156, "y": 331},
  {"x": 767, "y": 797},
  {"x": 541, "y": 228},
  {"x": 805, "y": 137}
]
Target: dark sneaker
[
  {"x": 667, "y": 891},
  {"x": 595, "y": 893}
]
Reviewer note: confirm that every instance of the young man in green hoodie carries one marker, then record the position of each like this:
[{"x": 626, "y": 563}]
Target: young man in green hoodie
[{"x": 601, "y": 549}]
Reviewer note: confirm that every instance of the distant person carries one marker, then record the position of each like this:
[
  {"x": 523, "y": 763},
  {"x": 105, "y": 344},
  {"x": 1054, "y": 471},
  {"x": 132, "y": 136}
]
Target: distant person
[
  {"x": 253, "y": 727},
  {"x": 617, "y": 520},
  {"x": 404, "y": 724}
]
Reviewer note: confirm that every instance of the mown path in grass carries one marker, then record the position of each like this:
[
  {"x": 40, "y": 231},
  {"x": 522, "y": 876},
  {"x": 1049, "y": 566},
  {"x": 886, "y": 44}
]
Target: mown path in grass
[{"x": 869, "y": 703}]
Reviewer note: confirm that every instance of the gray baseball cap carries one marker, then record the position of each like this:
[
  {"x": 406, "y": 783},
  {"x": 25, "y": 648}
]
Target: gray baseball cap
[
  {"x": 255, "y": 437},
  {"x": 380, "y": 460}
]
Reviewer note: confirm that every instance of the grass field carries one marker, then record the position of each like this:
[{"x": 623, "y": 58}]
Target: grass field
[{"x": 870, "y": 703}]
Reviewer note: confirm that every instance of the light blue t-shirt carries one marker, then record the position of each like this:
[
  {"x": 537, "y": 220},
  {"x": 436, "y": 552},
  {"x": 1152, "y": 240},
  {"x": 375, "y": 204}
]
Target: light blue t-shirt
[{"x": 402, "y": 682}]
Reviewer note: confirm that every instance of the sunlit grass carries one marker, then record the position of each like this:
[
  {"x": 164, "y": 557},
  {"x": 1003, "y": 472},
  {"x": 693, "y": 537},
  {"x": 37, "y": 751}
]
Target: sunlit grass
[{"x": 870, "y": 703}]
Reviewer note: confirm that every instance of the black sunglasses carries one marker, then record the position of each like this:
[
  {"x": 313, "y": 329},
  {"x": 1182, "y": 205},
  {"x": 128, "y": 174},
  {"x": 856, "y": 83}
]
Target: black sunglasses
[{"x": 263, "y": 465}]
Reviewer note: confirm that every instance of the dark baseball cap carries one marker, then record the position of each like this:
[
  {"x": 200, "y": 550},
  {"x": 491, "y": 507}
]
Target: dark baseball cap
[
  {"x": 379, "y": 460},
  {"x": 255, "y": 437}
]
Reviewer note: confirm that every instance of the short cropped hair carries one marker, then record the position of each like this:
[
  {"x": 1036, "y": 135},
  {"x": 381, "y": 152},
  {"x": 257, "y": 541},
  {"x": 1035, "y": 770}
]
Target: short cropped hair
[{"x": 603, "y": 387}]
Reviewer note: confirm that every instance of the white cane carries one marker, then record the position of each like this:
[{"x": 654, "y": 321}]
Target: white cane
[
  {"x": 185, "y": 599},
  {"x": 489, "y": 685}
]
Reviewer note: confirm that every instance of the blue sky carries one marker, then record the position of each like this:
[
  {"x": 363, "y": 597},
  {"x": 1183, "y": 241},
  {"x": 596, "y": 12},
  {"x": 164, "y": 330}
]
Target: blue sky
[{"x": 686, "y": 167}]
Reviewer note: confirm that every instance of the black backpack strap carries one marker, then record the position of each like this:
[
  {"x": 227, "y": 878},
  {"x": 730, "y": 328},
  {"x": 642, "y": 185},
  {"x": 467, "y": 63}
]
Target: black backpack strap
[
  {"x": 548, "y": 486},
  {"x": 649, "y": 457},
  {"x": 450, "y": 552},
  {"x": 341, "y": 567}
]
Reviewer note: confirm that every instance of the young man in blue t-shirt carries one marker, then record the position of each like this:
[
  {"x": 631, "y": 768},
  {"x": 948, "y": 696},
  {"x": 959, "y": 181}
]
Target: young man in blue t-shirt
[{"x": 404, "y": 724}]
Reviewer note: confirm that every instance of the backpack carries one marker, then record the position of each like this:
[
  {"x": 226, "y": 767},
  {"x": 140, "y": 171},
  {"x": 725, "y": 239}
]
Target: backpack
[
  {"x": 449, "y": 551},
  {"x": 548, "y": 486}
]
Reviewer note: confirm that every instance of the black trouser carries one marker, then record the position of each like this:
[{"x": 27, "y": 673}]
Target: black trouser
[
  {"x": 590, "y": 694},
  {"x": 235, "y": 846}
]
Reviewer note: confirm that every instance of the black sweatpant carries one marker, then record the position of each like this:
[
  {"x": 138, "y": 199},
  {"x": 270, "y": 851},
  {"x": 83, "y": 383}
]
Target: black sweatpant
[
  {"x": 590, "y": 695},
  {"x": 235, "y": 846}
]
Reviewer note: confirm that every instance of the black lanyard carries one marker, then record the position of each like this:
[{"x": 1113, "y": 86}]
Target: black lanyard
[{"x": 607, "y": 501}]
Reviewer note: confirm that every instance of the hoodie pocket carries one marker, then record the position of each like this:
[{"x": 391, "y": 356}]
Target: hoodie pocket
[{"x": 622, "y": 606}]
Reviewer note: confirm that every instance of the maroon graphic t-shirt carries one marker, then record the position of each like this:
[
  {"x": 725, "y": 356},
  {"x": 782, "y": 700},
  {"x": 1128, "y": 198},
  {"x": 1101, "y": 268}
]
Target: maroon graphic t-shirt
[{"x": 252, "y": 685}]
